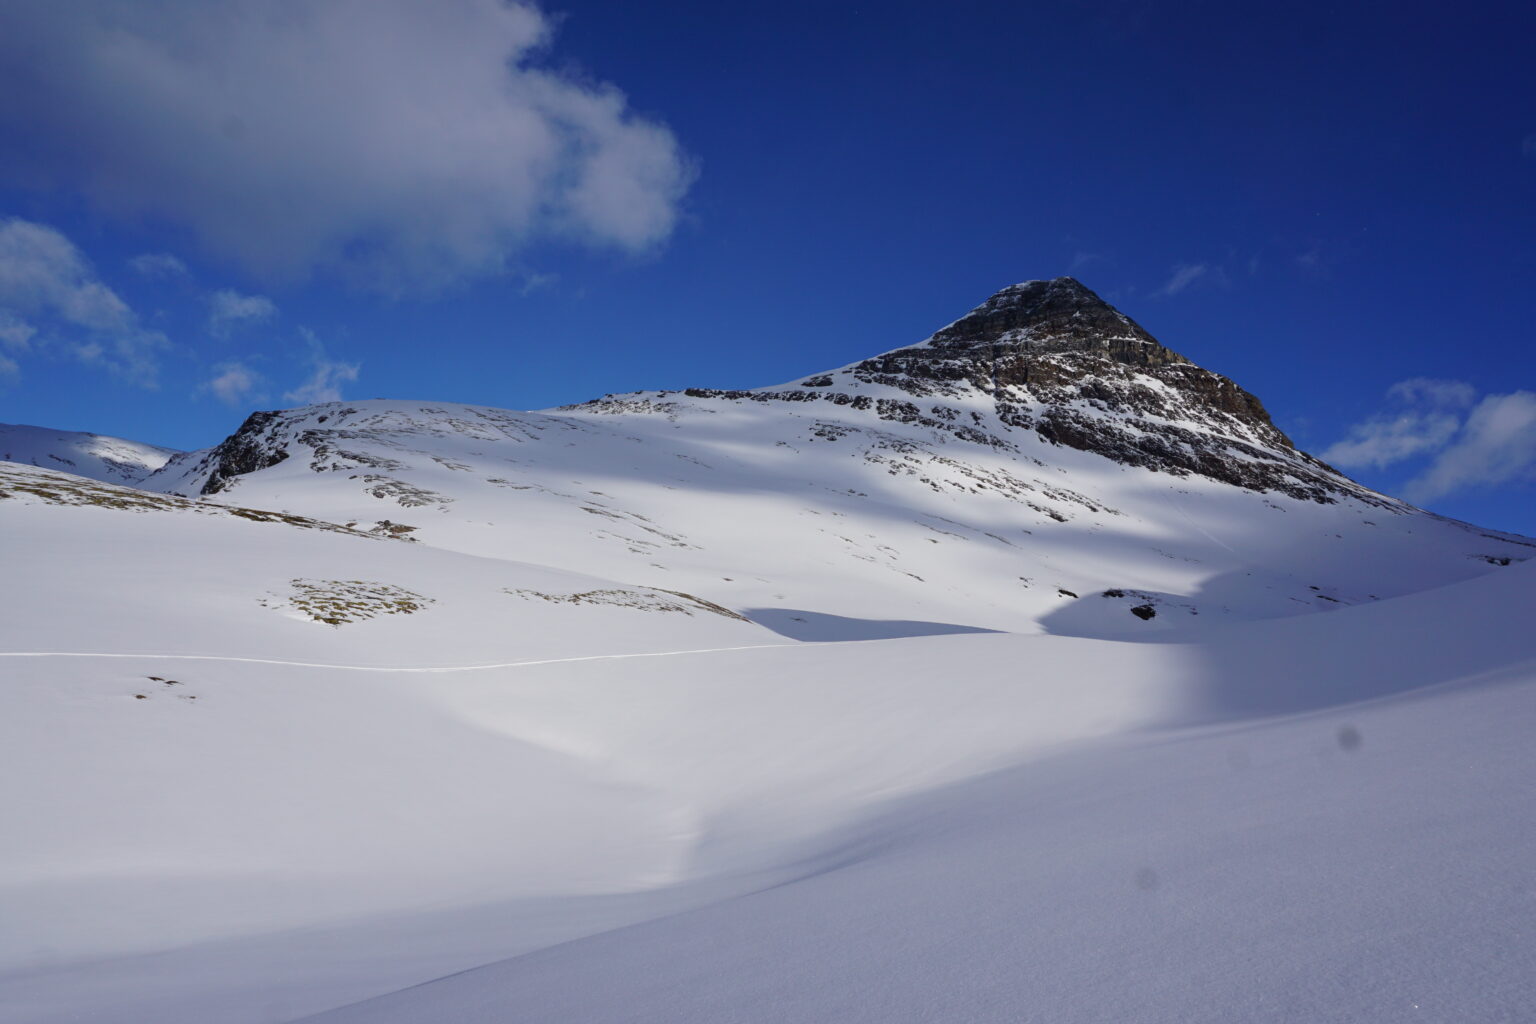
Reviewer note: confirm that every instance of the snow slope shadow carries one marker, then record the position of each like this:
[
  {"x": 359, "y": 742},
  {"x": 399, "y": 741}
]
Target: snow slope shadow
[
  {"x": 1451, "y": 634},
  {"x": 820, "y": 627}
]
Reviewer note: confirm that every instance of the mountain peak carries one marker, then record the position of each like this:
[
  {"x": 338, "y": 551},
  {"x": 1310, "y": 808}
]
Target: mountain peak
[{"x": 1060, "y": 315}]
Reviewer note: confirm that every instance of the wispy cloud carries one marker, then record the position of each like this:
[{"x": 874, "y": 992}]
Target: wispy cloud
[
  {"x": 1184, "y": 275},
  {"x": 158, "y": 266},
  {"x": 532, "y": 283},
  {"x": 41, "y": 272},
  {"x": 1469, "y": 442},
  {"x": 1496, "y": 446},
  {"x": 409, "y": 145},
  {"x": 234, "y": 384},
  {"x": 228, "y": 309},
  {"x": 15, "y": 333},
  {"x": 326, "y": 375},
  {"x": 1423, "y": 415},
  {"x": 49, "y": 292}
]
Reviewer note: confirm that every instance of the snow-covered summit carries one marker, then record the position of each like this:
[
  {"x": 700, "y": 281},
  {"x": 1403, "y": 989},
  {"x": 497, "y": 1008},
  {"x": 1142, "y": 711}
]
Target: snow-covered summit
[{"x": 111, "y": 459}]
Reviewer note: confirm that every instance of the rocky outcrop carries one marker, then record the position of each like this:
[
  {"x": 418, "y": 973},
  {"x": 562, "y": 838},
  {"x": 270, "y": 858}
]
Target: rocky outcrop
[
  {"x": 245, "y": 451},
  {"x": 1053, "y": 357}
]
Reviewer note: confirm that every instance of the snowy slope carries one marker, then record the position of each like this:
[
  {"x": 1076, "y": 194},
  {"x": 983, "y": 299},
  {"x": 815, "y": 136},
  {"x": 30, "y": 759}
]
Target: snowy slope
[
  {"x": 115, "y": 570},
  {"x": 813, "y": 702},
  {"x": 992, "y": 477},
  {"x": 1153, "y": 831},
  {"x": 1366, "y": 864},
  {"x": 90, "y": 455}
]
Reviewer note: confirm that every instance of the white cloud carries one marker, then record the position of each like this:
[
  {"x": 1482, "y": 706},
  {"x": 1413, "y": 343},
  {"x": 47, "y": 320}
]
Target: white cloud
[
  {"x": 8, "y": 367},
  {"x": 47, "y": 288},
  {"x": 1469, "y": 442},
  {"x": 326, "y": 375},
  {"x": 41, "y": 272},
  {"x": 15, "y": 333},
  {"x": 1426, "y": 415},
  {"x": 133, "y": 356},
  {"x": 1496, "y": 446},
  {"x": 227, "y": 308},
  {"x": 158, "y": 266},
  {"x": 407, "y": 144},
  {"x": 1385, "y": 440},
  {"x": 538, "y": 282},
  {"x": 1184, "y": 275},
  {"x": 1434, "y": 391},
  {"x": 234, "y": 384}
]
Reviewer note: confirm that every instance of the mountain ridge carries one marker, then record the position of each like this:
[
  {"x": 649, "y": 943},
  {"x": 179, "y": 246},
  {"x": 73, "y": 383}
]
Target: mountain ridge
[
  {"x": 1040, "y": 448},
  {"x": 94, "y": 456}
]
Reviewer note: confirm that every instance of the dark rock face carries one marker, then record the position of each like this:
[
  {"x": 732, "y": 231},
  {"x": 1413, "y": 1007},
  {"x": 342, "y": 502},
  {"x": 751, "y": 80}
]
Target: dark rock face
[
  {"x": 1053, "y": 357},
  {"x": 1048, "y": 316},
  {"x": 1059, "y": 342},
  {"x": 245, "y": 451}
]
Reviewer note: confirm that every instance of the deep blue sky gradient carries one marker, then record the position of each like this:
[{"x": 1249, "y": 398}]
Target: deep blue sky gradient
[{"x": 1356, "y": 180}]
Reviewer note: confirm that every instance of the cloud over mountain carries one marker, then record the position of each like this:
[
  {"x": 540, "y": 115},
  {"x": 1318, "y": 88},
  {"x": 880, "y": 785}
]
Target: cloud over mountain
[{"x": 407, "y": 145}]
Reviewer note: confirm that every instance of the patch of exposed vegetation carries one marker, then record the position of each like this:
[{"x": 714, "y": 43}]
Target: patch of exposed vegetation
[
  {"x": 337, "y": 602},
  {"x": 61, "y": 489},
  {"x": 649, "y": 599},
  {"x": 385, "y": 528}
]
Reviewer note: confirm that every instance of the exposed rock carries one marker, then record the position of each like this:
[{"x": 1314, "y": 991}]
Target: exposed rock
[
  {"x": 1053, "y": 357},
  {"x": 245, "y": 451}
]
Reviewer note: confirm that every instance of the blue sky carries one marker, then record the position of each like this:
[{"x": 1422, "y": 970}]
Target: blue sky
[{"x": 211, "y": 208}]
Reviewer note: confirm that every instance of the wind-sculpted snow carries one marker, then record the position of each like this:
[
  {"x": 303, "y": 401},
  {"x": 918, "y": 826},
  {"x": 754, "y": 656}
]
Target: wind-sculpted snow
[{"x": 997, "y": 823}]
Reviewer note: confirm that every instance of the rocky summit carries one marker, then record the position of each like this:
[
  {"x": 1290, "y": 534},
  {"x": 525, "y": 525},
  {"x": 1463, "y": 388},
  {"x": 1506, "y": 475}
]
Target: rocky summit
[{"x": 1053, "y": 357}]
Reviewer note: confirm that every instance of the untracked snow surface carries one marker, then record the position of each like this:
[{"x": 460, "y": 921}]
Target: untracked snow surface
[
  {"x": 90, "y": 455},
  {"x": 1025, "y": 674},
  {"x": 1323, "y": 817}
]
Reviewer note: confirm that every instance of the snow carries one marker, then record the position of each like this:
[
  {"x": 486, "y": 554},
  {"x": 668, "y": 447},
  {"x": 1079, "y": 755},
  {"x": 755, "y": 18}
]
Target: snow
[
  {"x": 90, "y": 455},
  {"x": 1277, "y": 871},
  {"x": 701, "y": 715},
  {"x": 832, "y": 512}
]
